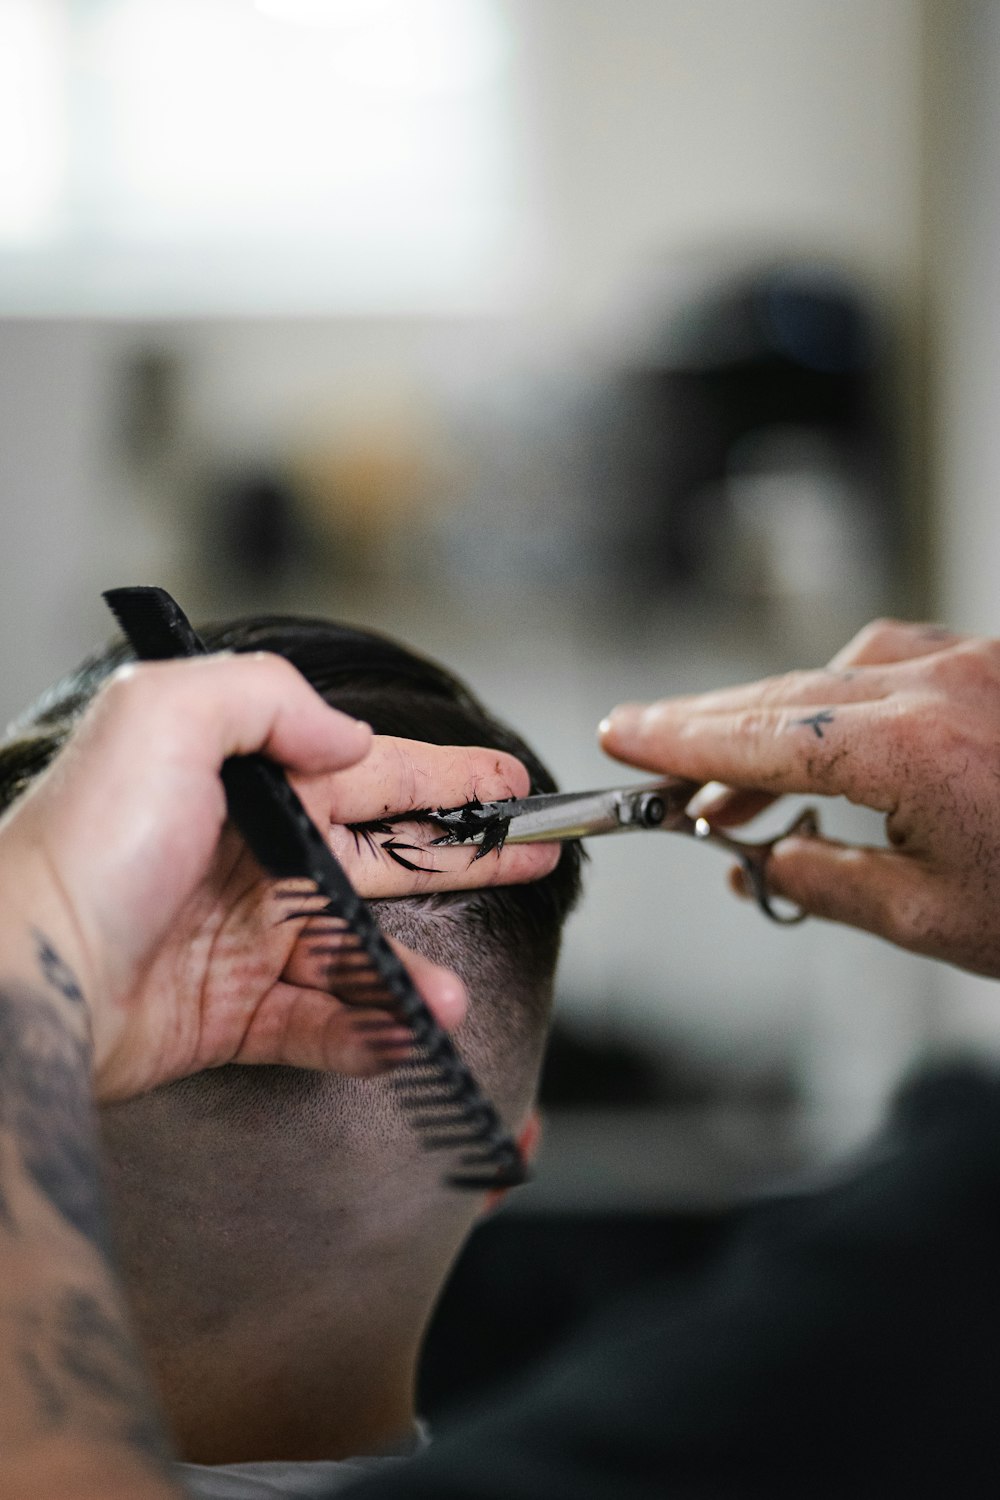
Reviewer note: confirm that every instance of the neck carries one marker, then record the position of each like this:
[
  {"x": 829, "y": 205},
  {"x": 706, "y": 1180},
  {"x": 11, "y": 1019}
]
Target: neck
[
  {"x": 291, "y": 1360},
  {"x": 280, "y": 1280},
  {"x": 294, "y": 1335},
  {"x": 286, "y": 1386}
]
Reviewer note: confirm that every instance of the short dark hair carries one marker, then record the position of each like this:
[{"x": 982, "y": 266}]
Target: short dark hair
[{"x": 507, "y": 936}]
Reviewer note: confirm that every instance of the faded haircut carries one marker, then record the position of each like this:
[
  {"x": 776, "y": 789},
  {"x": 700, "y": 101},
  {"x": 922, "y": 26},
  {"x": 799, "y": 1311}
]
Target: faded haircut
[{"x": 503, "y": 941}]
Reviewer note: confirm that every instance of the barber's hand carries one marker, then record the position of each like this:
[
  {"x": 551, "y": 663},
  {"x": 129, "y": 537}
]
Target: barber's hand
[
  {"x": 121, "y": 856},
  {"x": 906, "y": 720}
]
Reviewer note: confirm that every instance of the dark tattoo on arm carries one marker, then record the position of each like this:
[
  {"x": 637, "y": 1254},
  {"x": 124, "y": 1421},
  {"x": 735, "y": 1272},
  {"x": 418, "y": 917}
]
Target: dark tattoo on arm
[
  {"x": 73, "y": 1349},
  {"x": 56, "y": 970},
  {"x": 816, "y": 721},
  {"x": 81, "y": 1349},
  {"x": 45, "y": 1107}
]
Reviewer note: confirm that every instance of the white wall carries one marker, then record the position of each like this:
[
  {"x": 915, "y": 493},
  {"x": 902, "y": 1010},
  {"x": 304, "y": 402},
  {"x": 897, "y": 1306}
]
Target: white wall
[
  {"x": 53, "y": 412},
  {"x": 657, "y": 127}
]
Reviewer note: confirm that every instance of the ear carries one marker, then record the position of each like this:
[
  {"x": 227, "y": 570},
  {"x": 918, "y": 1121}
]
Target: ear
[{"x": 528, "y": 1141}]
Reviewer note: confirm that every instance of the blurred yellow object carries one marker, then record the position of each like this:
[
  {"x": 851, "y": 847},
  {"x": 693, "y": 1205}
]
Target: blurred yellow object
[{"x": 369, "y": 481}]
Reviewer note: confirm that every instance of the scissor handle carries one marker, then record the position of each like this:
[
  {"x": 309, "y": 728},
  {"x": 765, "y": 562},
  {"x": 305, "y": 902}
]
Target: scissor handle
[{"x": 754, "y": 858}]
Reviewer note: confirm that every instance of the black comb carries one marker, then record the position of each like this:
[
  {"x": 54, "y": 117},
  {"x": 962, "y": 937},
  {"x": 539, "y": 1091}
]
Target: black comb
[{"x": 442, "y": 1098}]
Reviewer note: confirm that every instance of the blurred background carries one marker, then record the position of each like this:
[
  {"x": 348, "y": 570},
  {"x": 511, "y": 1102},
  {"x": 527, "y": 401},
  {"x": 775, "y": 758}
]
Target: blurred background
[{"x": 601, "y": 348}]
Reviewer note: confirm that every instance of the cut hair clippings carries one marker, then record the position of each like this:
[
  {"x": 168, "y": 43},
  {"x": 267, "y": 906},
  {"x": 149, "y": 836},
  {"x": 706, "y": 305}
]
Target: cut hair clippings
[{"x": 658, "y": 806}]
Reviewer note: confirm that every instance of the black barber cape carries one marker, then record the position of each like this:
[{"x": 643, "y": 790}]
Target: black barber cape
[{"x": 843, "y": 1343}]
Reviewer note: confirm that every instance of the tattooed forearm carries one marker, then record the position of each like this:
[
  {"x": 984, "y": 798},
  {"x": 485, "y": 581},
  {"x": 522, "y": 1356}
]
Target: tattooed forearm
[
  {"x": 56, "y": 970},
  {"x": 78, "y": 1356},
  {"x": 816, "y": 722},
  {"x": 45, "y": 1108},
  {"x": 68, "y": 1365}
]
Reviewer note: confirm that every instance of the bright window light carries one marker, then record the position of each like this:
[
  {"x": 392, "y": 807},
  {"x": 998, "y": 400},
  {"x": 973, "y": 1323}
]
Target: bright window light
[
  {"x": 33, "y": 38},
  {"x": 216, "y": 121},
  {"x": 369, "y": 143},
  {"x": 327, "y": 12},
  {"x": 409, "y": 46}
]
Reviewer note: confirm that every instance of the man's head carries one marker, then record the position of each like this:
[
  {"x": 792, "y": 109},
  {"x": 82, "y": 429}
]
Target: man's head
[
  {"x": 223, "y": 1181},
  {"x": 503, "y": 940}
]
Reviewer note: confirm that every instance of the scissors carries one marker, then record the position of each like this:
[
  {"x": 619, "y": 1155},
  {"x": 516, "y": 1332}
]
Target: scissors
[{"x": 656, "y": 805}]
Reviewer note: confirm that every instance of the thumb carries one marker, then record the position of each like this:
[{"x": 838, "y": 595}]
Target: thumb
[{"x": 875, "y": 890}]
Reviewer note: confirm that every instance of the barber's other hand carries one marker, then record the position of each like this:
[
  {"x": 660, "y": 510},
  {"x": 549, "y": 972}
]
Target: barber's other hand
[
  {"x": 905, "y": 720},
  {"x": 121, "y": 856}
]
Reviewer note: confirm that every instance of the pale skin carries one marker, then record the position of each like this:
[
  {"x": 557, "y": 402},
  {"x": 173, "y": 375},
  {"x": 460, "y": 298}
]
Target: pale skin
[
  {"x": 904, "y": 720},
  {"x": 127, "y": 909}
]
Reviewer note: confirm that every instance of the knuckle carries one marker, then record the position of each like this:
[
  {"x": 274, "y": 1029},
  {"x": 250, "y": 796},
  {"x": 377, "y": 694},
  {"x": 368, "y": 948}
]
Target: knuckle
[
  {"x": 904, "y": 917},
  {"x": 903, "y": 723},
  {"x": 753, "y": 723},
  {"x": 879, "y": 632},
  {"x": 469, "y": 766},
  {"x": 276, "y": 667},
  {"x": 512, "y": 773},
  {"x": 779, "y": 689},
  {"x": 970, "y": 666},
  {"x": 405, "y": 777},
  {"x": 881, "y": 626},
  {"x": 129, "y": 685}
]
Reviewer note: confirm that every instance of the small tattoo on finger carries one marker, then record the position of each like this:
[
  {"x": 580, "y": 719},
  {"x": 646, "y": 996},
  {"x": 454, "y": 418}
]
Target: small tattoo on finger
[{"x": 816, "y": 721}]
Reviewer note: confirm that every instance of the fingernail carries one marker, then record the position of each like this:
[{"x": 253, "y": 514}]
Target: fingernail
[
  {"x": 621, "y": 721},
  {"x": 349, "y": 718},
  {"x": 709, "y": 799},
  {"x": 361, "y": 729}
]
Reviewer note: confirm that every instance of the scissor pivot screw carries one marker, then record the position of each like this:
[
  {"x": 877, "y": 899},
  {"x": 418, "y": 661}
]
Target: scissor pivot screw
[{"x": 650, "y": 810}]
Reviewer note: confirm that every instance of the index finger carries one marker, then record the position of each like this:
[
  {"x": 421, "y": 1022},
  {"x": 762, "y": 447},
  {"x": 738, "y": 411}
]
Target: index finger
[
  {"x": 830, "y": 750},
  {"x": 400, "y": 776}
]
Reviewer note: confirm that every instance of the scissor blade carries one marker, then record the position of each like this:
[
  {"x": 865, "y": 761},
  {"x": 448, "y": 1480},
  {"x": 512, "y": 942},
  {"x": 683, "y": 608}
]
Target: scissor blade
[{"x": 567, "y": 815}]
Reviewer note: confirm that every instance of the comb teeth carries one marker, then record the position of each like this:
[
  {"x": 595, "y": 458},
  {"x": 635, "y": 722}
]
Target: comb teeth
[{"x": 441, "y": 1098}]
